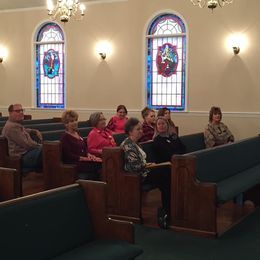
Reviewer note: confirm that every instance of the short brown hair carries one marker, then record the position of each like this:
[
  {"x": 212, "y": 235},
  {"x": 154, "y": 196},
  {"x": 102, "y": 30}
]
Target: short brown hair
[
  {"x": 130, "y": 124},
  {"x": 162, "y": 111},
  {"x": 68, "y": 115},
  {"x": 146, "y": 111},
  {"x": 121, "y": 107},
  {"x": 214, "y": 111},
  {"x": 94, "y": 118},
  {"x": 11, "y": 108}
]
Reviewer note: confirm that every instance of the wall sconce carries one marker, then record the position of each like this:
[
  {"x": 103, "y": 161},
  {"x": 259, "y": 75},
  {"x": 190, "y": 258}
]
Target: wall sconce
[
  {"x": 103, "y": 48},
  {"x": 3, "y": 53},
  {"x": 236, "y": 50},
  {"x": 103, "y": 55},
  {"x": 236, "y": 42}
]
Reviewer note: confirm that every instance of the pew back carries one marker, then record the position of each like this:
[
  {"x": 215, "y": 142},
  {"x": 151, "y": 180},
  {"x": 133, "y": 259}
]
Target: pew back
[{"x": 219, "y": 163}]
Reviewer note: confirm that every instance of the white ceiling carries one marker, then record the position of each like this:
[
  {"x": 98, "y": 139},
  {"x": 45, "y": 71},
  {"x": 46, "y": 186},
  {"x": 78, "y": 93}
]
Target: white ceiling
[{"x": 17, "y": 4}]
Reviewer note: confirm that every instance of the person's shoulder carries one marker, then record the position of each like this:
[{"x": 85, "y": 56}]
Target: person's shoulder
[
  {"x": 64, "y": 136},
  {"x": 11, "y": 126},
  {"x": 93, "y": 132}
]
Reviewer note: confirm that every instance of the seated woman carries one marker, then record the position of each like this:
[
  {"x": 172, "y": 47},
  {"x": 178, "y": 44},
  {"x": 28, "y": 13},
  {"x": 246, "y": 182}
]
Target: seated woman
[
  {"x": 166, "y": 143},
  {"x": 148, "y": 124},
  {"x": 100, "y": 136},
  {"x": 216, "y": 133},
  {"x": 166, "y": 112},
  {"x": 117, "y": 123},
  {"x": 135, "y": 162},
  {"x": 74, "y": 149}
]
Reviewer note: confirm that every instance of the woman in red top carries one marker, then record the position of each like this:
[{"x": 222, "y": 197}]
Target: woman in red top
[
  {"x": 100, "y": 136},
  {"x": 117, "y": 123},
  {"x": 148, "y": 124},
  {"x": 74, "y": 149}
]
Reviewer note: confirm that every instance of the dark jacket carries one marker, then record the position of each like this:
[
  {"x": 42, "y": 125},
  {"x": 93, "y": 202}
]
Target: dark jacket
[{"x": 166, "y": 147}]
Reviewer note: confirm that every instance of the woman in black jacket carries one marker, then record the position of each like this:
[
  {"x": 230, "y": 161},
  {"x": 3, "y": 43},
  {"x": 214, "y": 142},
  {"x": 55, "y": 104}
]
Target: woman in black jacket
[{"x": 166, "y": 142}]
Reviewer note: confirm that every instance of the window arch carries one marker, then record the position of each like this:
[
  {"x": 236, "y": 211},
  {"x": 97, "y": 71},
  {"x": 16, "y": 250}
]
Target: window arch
[
  {"x": 166, "y": 63},
  {"x": 49, "y": 66}
]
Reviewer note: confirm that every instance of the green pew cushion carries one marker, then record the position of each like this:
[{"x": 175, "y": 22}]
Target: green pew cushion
[
  {"x": 219, "y": 163},
  {"x": 45, "y": 227},
  {"x": 150, "y": 151},
  {"x": 119, "y": 138},
  {"x": 103, "y": 250},
  {"x": 230, "y": 187},
  {"x": 193, "y": 142}
]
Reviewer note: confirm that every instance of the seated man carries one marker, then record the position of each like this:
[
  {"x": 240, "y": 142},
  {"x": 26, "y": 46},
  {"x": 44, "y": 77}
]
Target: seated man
[{"x": 21, "y": 141}]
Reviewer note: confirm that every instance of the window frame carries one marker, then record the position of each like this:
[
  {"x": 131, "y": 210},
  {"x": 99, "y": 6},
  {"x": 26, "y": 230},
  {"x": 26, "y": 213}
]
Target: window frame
[
  {"x": 148, "y": 28},
  {"x": 34, "y": 60}
]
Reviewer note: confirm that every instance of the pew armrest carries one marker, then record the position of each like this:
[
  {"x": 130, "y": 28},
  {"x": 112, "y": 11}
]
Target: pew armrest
[{"x": 9, "y": 184}]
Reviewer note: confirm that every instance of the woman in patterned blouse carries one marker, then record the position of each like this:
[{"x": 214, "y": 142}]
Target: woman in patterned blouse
[
  {"x": 135, "y": 162},
  {"x": 216, "y": 132}
]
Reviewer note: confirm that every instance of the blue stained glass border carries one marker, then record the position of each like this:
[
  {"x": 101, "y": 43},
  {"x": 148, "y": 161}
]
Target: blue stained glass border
[
  {"x": 149, "y": 65},
  {"x": 38, "y": 65}
]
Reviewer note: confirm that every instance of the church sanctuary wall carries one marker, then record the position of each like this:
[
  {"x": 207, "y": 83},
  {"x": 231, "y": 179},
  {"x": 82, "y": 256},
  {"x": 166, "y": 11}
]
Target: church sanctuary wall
[{"x": 215, "y": 75}]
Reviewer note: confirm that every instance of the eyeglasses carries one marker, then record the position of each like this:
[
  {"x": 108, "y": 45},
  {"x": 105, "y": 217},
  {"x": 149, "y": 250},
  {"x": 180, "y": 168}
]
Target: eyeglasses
[{"x": 18, "y": 110}]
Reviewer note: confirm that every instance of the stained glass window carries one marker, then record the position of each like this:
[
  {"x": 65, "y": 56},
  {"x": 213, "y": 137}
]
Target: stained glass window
[
  {"x": 166, "y": 63},
  {"x": 49, "y": 67}
]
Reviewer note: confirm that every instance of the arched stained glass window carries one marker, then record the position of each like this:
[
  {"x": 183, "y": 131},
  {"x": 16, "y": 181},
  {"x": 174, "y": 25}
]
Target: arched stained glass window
[
  {"x": 166, "y": 63},
  {"x": 49, "y": 66}
]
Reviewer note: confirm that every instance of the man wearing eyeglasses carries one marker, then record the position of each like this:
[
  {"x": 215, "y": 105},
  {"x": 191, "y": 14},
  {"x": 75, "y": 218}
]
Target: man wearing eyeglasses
[{"x": 20, "y": 142}]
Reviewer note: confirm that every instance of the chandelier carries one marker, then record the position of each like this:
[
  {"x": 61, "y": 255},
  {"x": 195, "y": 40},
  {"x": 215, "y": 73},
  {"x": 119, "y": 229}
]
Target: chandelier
[
  {"x": 211, "y": 4},
  {"x": 65, "y": 9}
]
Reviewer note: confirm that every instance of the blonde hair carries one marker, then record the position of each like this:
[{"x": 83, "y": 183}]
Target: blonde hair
[
  {"x": 69, "y": 115},
  {"x": 169, "y": 132}
]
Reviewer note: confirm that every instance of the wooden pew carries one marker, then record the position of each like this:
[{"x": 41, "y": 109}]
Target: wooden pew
[
  {"x": 206, "y": 181},
  {"x": 55, "y": 172},
  {"x": 64, "y": 223},
  {"x": 124, "y": 189},
  {"x": 9, "y": 184},
  {"x": 13, "y": 162}
]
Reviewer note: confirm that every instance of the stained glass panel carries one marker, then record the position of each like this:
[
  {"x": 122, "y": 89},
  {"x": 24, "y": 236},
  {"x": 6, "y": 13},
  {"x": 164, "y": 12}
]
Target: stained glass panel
[
  {"x": 166, "y": 63},
  {"x": 50, "y": 67}
]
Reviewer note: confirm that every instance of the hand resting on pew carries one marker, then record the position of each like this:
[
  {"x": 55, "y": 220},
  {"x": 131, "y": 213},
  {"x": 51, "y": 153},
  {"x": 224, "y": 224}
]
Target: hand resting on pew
[
  {"x": 157, "y": 165},
  {"x": 90, "y": 158}
]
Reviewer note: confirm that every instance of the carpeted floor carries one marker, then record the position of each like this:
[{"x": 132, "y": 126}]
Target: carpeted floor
[{"x": 240, "y": 243}]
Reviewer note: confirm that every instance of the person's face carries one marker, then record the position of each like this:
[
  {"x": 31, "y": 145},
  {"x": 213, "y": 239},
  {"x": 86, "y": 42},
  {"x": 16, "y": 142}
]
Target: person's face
[
  {"x": 216, "y": 118},
  {"x": 72, "y": 125},
  {"x": 121, "y": 113},
  {"x": 102, "y": 122},
  {"x": 150, "y": 118},
  {"x": 17, "y": 114},
  {"x": 137, "y": 132},
  {"x": 161, "y": 126},
  {"x": 167, "y": 114}
]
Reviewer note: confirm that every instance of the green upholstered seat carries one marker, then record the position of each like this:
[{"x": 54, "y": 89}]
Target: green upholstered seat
[
  {"x": 45, "y": 227},
  {"x": 149, "y": 149},
  {"x": 233, "y": 167},
  {"x": 103, "y": 250},
  {"x": 239, "y": 183},
  {"x": 55, "y": 226},
  {"x": 119, "y": 138},
  {"x": 193, "y": 142}
]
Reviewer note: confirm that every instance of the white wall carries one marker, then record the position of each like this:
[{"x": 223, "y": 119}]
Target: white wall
[{"x": 215, "y": 76}]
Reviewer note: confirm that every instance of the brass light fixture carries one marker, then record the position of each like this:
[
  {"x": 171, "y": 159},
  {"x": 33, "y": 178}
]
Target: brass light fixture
[
  {"x": 211, "y": 4},
  {"x": 65, "y": 10}
]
